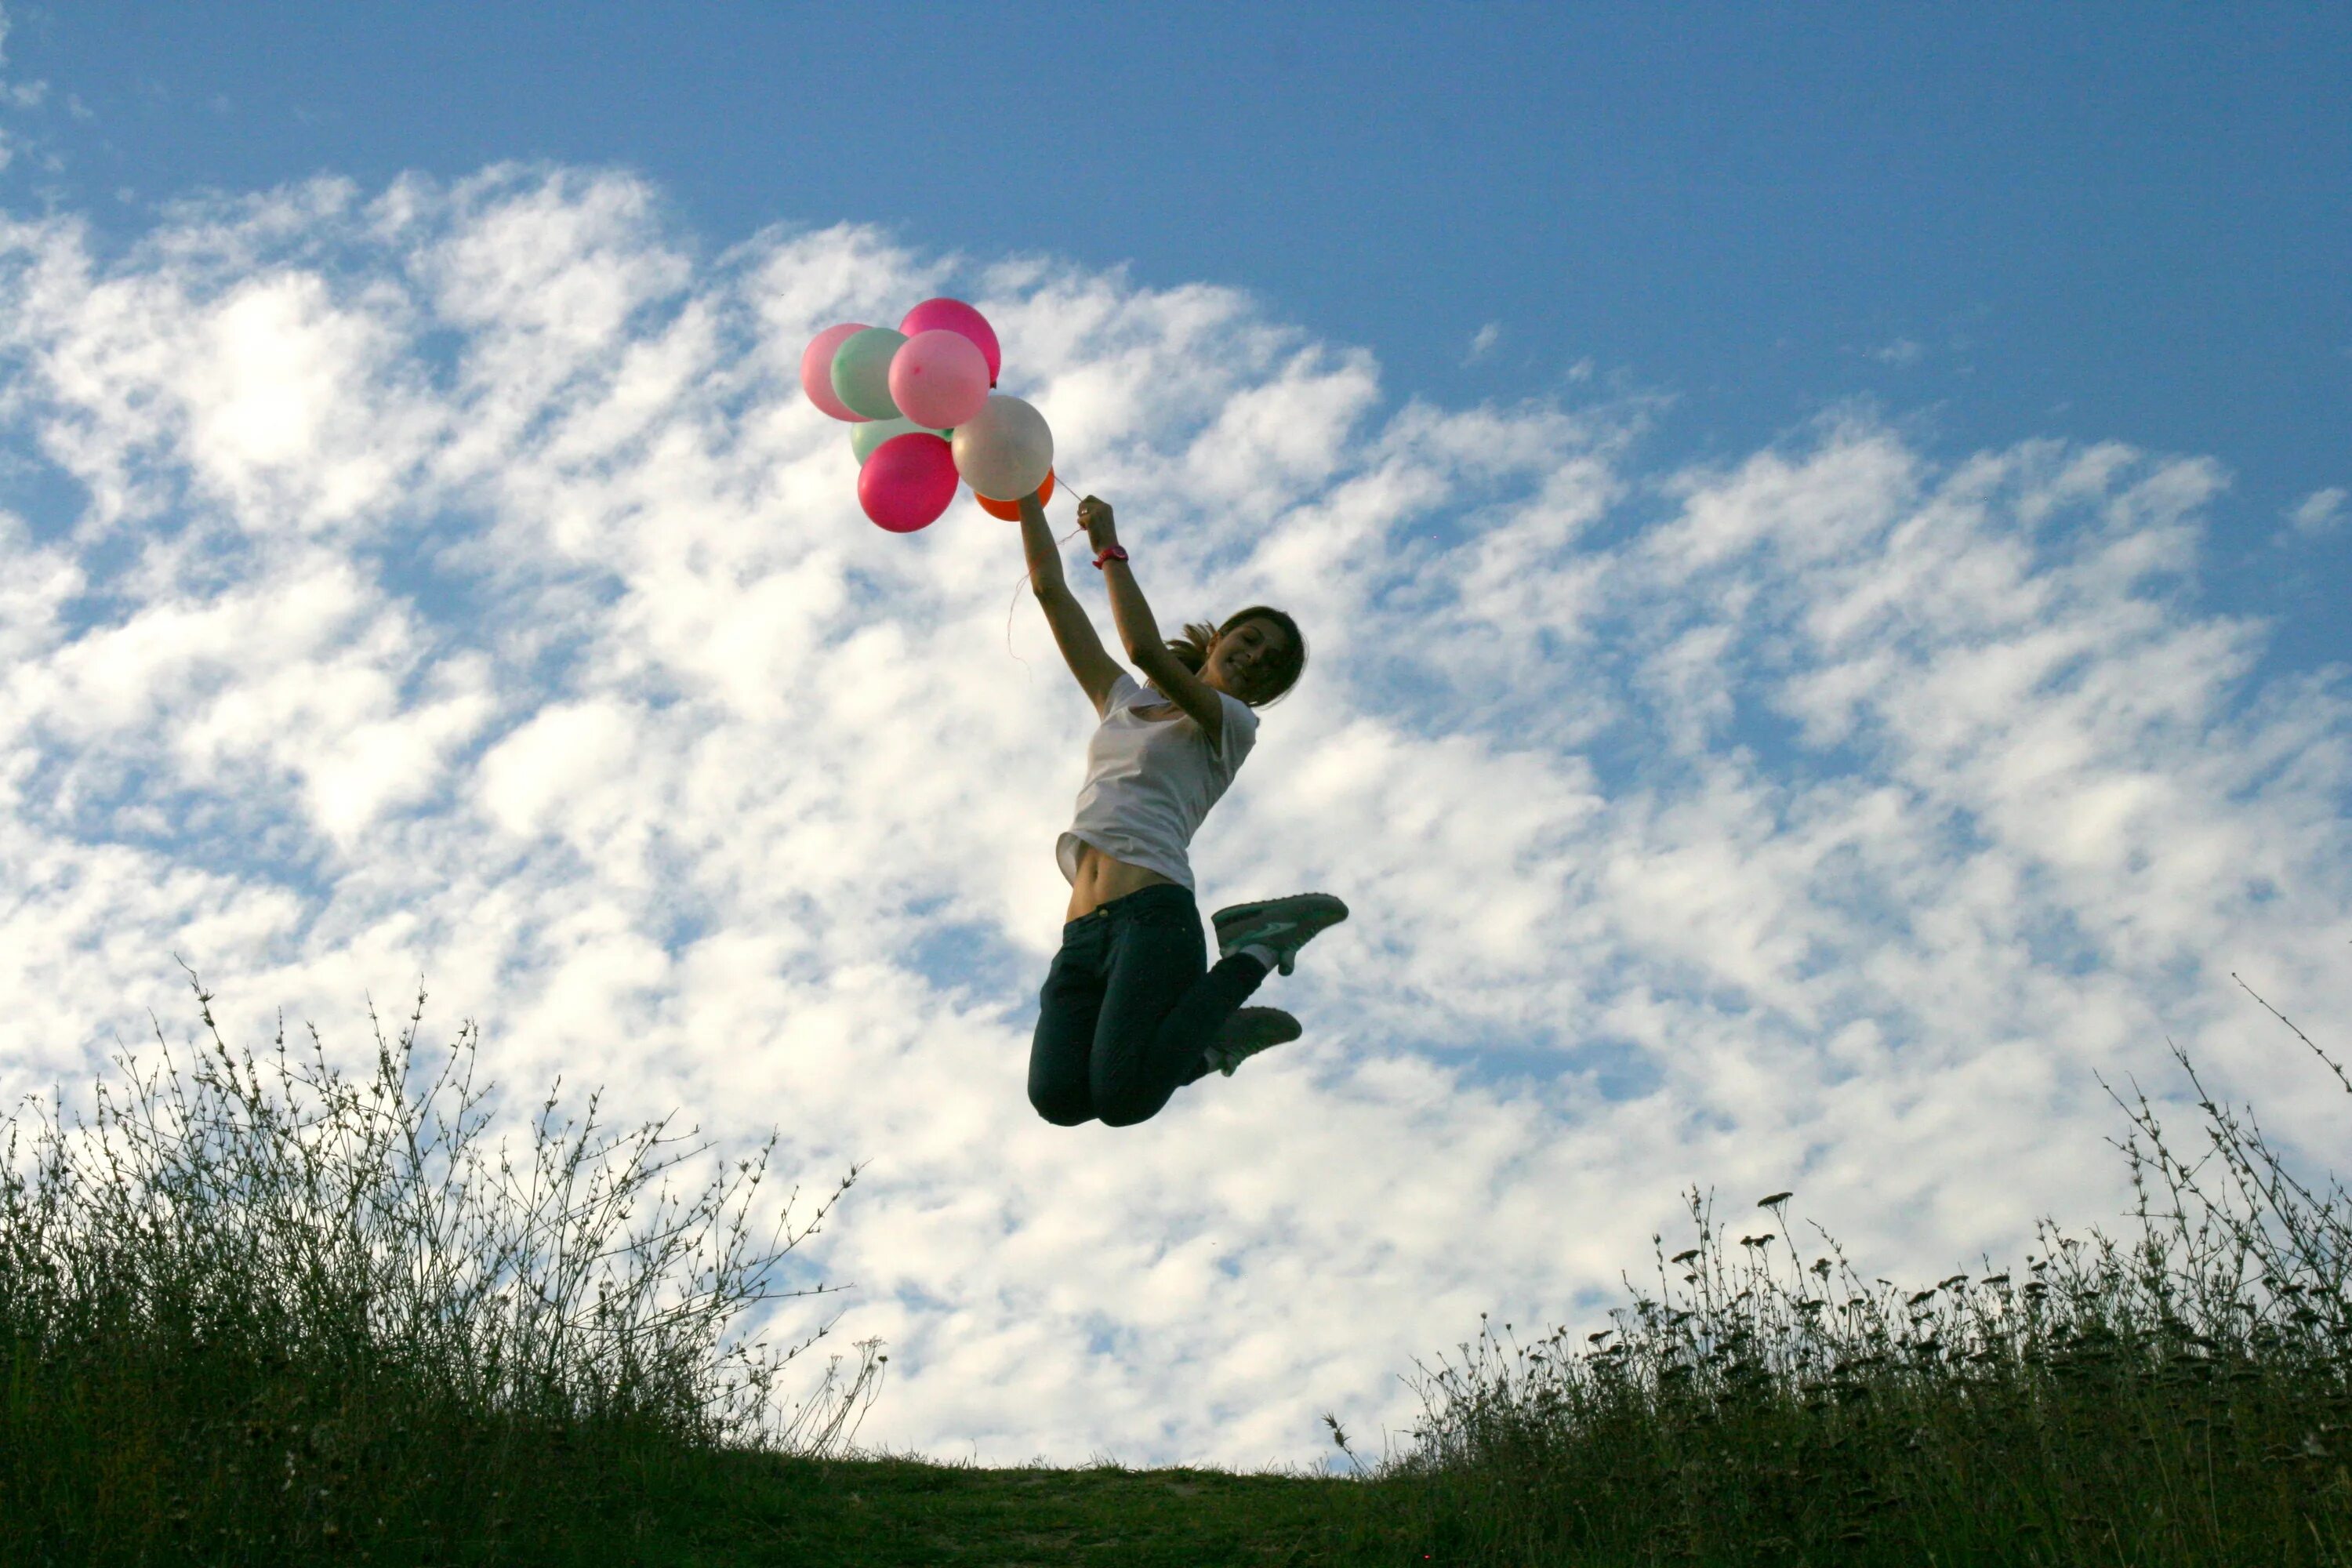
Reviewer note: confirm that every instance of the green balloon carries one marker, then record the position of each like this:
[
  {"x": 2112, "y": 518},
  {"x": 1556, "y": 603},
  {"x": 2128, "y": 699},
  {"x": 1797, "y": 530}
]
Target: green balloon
[
  {"x": 864, "y": 438},
  {"x": 861, "y": 371}
]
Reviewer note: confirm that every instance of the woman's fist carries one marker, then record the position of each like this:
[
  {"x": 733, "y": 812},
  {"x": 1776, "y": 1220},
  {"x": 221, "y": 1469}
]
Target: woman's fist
[{"x": 1094, "y": 513}]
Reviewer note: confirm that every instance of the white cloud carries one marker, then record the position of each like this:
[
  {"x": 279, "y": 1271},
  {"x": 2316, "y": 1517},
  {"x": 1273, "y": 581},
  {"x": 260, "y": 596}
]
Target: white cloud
[
  {"x": 1483, "y": 342},
  {"x": 1901, "y": 350},
  {"x": 464, "y": 589},
  {"x": 2318, "y": 515}
]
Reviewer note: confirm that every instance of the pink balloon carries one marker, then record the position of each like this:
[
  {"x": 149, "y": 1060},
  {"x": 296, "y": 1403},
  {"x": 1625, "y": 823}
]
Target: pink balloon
[
  {"x": 908, "y": 482},
  {"x": 939, "y": 378},
  {"x": 955, "y": 316},
  {"x": 816, "y": 370}
]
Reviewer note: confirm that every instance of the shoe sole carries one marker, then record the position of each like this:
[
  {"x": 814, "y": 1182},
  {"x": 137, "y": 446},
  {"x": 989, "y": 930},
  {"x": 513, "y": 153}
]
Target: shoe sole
[
  {"x": 1271, "y": 1024},
  {"x": 1263, "y": 1029},
  {"x": 1326, "y": 903}
]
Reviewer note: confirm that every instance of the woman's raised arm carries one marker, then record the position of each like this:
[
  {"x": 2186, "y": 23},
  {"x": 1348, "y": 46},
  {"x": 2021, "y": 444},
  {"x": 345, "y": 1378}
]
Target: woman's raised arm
[
  {"x": 1137, "y": 631},
  {"x": 1073, "y": 634},
  {"x": 1037, "y": 539}
]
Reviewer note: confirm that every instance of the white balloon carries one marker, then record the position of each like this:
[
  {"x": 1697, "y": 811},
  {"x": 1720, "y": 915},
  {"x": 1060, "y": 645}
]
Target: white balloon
[{"x": 1005, "y": 450}]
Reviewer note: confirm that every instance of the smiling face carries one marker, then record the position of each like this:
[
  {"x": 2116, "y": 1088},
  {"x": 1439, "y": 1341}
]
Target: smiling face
[{"x": 1242, "y": 662}]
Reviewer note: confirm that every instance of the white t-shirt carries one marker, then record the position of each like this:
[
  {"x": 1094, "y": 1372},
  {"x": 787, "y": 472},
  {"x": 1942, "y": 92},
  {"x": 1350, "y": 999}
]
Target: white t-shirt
[{"x": 1150, "y": 780}]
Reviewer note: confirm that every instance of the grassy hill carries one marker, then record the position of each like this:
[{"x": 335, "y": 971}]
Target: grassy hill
[
  {"x": 906, "y": 1513},
  {"x": 255, "y": 1311}
]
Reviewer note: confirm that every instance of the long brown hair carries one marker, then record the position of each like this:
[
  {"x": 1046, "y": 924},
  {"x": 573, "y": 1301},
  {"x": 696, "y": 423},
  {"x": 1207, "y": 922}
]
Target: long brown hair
[{"x": 1192, "y": 649}]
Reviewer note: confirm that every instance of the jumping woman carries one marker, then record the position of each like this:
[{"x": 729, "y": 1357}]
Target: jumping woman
[{"x": 1132, "y": 1010}]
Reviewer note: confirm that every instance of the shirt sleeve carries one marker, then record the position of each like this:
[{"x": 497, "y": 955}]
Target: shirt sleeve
[{"x": 1237, "y": 732}]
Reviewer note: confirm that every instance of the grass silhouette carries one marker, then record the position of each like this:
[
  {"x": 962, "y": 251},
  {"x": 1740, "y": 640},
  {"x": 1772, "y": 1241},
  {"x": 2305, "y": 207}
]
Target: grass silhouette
[
  {"x": 254, "y": 1311},
  {"x": 2176, "y": 1396}
]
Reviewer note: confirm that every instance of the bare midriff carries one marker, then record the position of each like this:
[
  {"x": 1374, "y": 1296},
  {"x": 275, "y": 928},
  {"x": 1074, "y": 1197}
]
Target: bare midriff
[{"x": 1101, "y": 879}]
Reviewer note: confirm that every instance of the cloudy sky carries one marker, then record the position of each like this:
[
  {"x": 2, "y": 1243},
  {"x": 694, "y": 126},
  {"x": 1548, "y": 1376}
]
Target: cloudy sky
[{"x": 423, "y": 565}]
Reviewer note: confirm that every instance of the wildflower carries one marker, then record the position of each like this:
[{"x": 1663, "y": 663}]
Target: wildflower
[{"x": 1775, "y": 1201}]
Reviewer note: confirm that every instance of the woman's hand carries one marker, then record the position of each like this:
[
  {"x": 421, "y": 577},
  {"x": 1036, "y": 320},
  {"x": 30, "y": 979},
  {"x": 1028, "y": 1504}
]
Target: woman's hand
[{"x": 1095, "y": 514}]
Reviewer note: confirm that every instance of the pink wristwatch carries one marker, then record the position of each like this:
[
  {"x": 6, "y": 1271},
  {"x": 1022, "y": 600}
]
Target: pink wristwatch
[{"x": 1111, "y": 553}]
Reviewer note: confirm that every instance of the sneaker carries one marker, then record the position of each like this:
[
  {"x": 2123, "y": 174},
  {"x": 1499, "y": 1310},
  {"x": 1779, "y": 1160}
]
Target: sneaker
[
  {"x": 1249, "y": 1031},
  {"x": 1282, "y": 926}
]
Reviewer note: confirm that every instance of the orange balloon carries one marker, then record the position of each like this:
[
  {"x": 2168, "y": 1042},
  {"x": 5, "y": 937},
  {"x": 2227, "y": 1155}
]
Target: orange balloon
[{"x": 1010, "y": 511}]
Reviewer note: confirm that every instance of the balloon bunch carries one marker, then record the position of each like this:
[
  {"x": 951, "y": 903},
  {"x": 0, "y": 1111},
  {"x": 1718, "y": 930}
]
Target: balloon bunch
[{"x": 925, "y": 416}]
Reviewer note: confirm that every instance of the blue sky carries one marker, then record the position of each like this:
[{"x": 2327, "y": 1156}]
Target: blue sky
[{"x": 1824, "y": 543}]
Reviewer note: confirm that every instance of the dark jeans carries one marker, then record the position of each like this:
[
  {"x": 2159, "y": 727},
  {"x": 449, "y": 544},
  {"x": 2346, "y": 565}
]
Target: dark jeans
[{"x": 1128, "y": 1007}]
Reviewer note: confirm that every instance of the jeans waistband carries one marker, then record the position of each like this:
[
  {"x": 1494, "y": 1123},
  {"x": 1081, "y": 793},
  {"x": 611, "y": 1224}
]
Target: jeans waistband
[{"x": 1153, "y": 897}]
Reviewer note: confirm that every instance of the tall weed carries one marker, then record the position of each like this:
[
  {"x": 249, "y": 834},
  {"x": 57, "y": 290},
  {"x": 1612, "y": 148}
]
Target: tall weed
[
  {"x": 253, "y": 1308},
  {"x": 2182, "y": 1394}
]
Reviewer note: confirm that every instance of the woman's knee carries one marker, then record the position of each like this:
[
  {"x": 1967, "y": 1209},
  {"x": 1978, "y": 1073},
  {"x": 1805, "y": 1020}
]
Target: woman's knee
[
  {"x": 1061, "y": 1108},
  {"x": 1126, "y": 1110}
]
